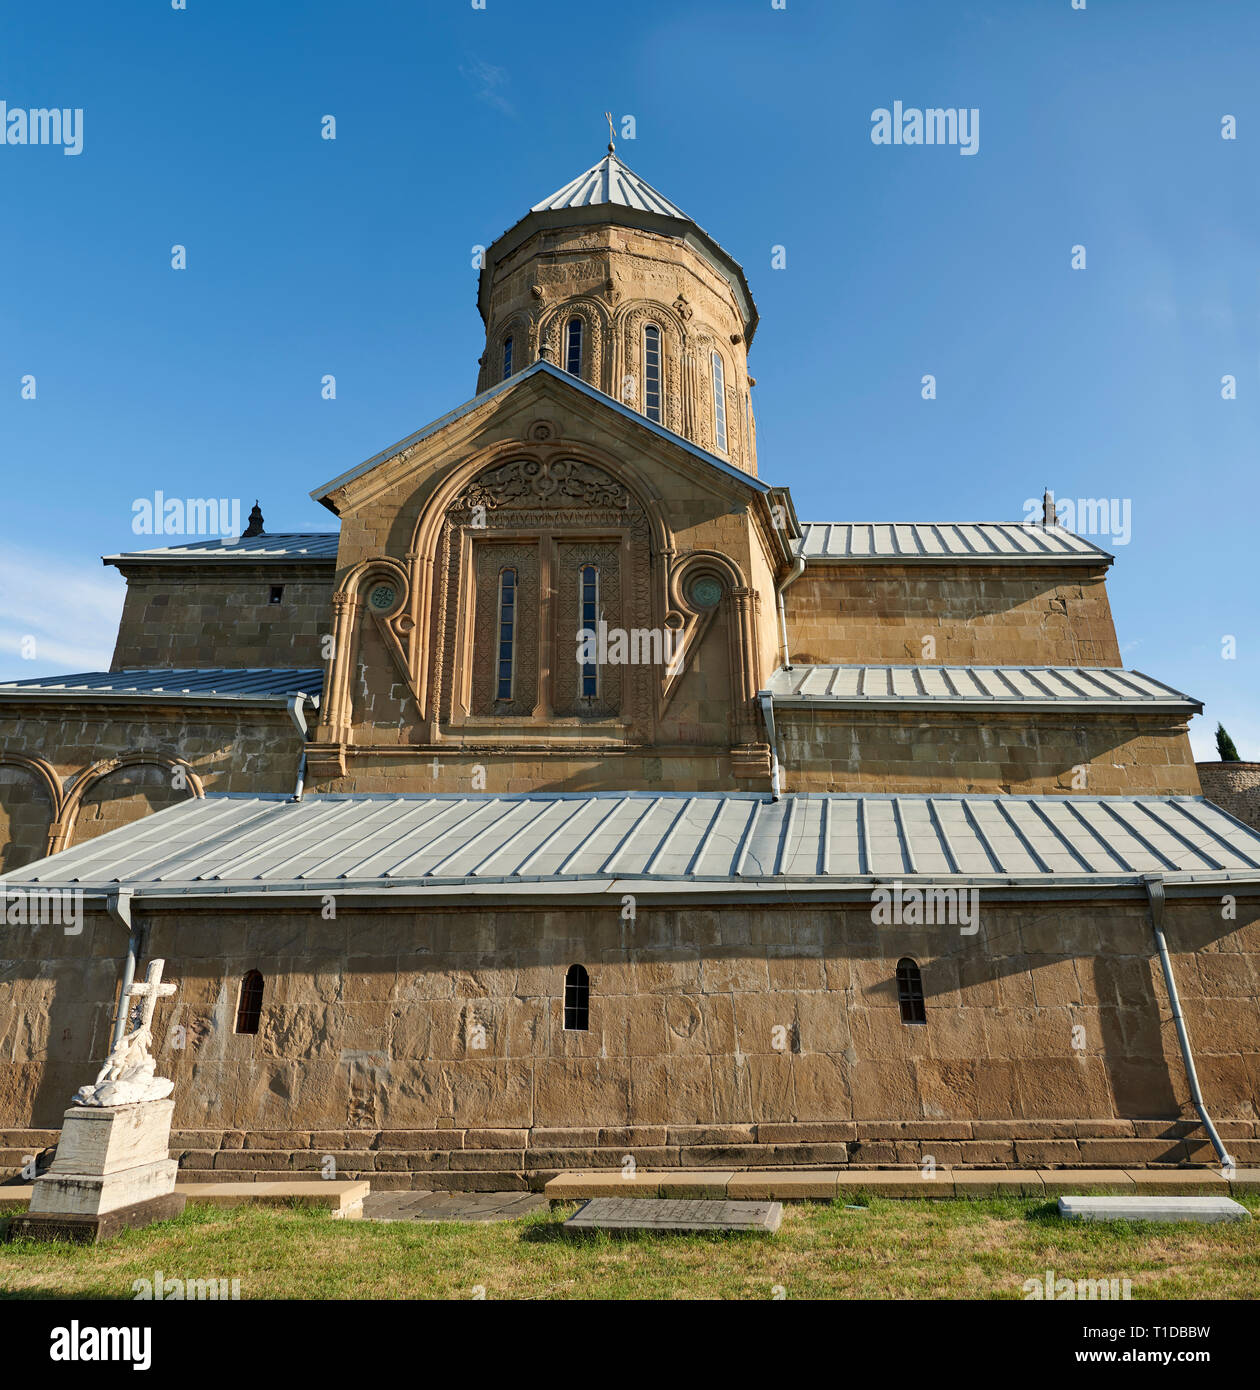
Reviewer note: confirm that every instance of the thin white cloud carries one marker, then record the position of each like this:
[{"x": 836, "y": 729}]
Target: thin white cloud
[
  {"x": 71, "y": 612},
  {"x": 489, "y": 82}
]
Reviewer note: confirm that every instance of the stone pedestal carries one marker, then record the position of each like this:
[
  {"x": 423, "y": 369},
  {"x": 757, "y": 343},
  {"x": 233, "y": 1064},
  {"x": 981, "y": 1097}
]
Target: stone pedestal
[{"x": 112, "y": 1168}]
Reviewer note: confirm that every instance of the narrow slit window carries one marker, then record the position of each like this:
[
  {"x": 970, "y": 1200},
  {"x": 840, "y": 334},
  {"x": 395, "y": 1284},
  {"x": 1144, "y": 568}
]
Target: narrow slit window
[
  {"x": 249, "y": 1008},
  {"x": 573, "y": 348},
  {"x": 910, "y": 992},
  {"x": 588, "y": 603},
  {"x": 719, "y": 402},
  {"x": 507, "y": 633},
  {"x": 507, "y": 358},
  {"x": 577, "y": 999},
  {"x": 652, "y": 372},
  {"x": 277, "y": 594}
]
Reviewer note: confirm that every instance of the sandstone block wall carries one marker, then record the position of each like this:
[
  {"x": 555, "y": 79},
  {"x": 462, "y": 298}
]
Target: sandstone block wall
[
  {"x": 1235, "y": 787},
  {"x": 428, "y": 1047},
  {"x": 922, "y": 751},
  {"x": 982, "y": 615},
  {"x": 200, "y": 615}
]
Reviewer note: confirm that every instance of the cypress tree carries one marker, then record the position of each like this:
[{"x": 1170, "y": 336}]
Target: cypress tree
[{"x": 1225, "y": 746}]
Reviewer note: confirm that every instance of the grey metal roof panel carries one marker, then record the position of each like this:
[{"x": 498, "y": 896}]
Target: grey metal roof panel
[
  {"x": 538, "y": 842},
  {"x": 1056, "y": 687},
  {"x": 209, "y": 684},
  {"x": 976, "y": 542},
  {"x": 611, "y": 182},
  {"x": 288, "y": 545}
]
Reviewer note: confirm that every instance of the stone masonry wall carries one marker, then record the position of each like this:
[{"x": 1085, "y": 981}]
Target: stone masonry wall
[
  {"x": 982, "y": 615},
  {"x": 923, "y": 751},
  {"x": 1235, "y": 787},
  {"x": 201, "y": 615},
  {"x": 426, "y": 1048}
]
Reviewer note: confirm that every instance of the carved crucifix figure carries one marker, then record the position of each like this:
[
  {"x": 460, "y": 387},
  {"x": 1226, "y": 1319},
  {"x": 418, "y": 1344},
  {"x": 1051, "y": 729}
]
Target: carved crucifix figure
[{"x": 128, "y": 1078}]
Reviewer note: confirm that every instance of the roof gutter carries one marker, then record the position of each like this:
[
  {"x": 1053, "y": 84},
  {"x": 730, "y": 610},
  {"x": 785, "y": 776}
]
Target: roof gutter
[{"x": 1154, "y": 884}]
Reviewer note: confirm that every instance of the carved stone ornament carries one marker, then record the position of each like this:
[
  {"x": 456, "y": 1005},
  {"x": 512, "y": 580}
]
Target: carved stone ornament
[
  {"x": 682, "y": 308},
  {"x": 556, "y": 482},
  {"x": 128, "y": 1076}
]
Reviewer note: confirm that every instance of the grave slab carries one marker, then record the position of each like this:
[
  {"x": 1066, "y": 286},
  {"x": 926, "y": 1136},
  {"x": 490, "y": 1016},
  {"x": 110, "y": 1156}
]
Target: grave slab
[
  {"x": 624, "y": 1214},
  {"x": 1200, "y": 1209}
]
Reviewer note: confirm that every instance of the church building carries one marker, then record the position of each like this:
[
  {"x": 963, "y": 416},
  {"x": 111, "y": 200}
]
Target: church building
[{"x": 573, "y": 799}]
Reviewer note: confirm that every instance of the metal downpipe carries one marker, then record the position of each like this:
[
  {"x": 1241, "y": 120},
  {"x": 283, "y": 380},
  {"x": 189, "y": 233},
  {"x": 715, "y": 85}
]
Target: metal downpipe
[
  {"x": 118, "y": 905},
  {"x": 766, "y": 700},
  {"x": 798, "y": 569},
  {"x": 1154, "y": 884},
  {"x": 299, "y": 721}
]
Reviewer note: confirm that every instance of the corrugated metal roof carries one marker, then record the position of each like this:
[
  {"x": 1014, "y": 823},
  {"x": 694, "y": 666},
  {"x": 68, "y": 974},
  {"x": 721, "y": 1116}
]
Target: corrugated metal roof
[
  {"x": 610, "y": 181},
  {"x": 289, "y": 545},
  {"x": 1023, "y": 686},
  {"x": 212, "y": 683},
  {"x": 539, "y": 841},
  {"x": 985, "y": 541}
]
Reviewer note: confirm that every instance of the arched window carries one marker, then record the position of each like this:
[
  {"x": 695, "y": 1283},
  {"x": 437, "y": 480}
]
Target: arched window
[
  {"x": 507, "y": 633},
  {"x": 719, "y": 403},
  {"x": 588, "y": 608},
  {"x": 249, "y": 1009},
  {"x": 910, "y": 992},
  {"x": 577, "y": 999},
  {"x": 507, "y": 357},
  {"x": 573, "y": 348},
  {"x": 652, "y": 372}
]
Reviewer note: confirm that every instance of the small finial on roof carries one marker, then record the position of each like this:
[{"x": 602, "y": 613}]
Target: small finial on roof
[
  {"x": 1049, "y": 517},
  {"x": 612, "y": 148},
  {"x": 255, "y": 527}
]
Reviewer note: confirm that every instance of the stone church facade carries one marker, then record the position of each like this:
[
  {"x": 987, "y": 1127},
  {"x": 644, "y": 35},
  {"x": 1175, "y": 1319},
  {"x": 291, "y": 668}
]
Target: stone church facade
[{"x": 573, "y": 799}]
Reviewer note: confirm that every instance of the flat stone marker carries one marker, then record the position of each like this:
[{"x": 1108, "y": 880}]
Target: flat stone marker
[
  {"x": 452, "y": 1206},
  {"x": 1204, "y": 1209},
  {"x": 669, "y": 1214}
]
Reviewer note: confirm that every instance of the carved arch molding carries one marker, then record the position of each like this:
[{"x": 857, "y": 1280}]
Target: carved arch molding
[{"x": 65, "y": 803}]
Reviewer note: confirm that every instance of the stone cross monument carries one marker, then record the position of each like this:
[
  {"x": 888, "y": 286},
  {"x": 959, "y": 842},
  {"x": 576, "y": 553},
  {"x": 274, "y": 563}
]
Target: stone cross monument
[
  {"x": 113, "y": 1166},
  {"x": 127, "y": 1078}
]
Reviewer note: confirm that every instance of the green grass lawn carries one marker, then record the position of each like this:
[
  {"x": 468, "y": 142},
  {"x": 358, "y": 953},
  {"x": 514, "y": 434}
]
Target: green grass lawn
[{"x": 893, "y": 1249}]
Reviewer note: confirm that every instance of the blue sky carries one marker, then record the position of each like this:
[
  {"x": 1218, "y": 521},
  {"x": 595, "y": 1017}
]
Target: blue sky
[{"x": 201, "y": 127}]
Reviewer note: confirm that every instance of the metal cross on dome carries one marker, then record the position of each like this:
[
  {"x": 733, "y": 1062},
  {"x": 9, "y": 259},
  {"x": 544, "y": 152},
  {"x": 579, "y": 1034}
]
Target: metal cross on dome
[
  {"x": 149, "y": 993},
  {"x": 611, "y": 134}
]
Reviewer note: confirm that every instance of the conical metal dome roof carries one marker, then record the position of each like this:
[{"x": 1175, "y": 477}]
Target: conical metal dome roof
[
  {"x": 611, "y": 181},
  {"x": 612, "y": 192}
]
